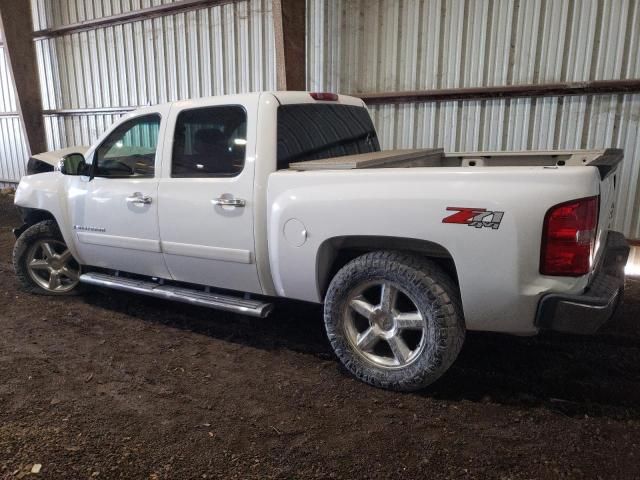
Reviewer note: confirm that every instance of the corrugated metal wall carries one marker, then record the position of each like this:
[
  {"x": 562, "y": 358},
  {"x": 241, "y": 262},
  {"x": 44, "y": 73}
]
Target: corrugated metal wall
[
  {"x": 13, "y": 147},
  {"x": 395, "y": 45},
  {"x": 208, "y": 51},
  {"x": 356, "y": 46}
]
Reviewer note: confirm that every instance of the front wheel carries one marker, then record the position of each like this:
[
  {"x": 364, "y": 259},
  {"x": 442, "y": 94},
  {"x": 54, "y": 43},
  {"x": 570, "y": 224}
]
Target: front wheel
[
  {"x": 43, "y": 263},
  {"x": 394, "y": 320}
]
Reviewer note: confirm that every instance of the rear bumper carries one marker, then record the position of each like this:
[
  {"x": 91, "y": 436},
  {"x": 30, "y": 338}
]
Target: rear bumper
[{"x": 587, "y": 312}]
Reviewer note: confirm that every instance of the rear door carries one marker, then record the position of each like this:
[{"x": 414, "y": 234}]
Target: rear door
[
  {"x": 115, "y": 214},
  {"x": 206, "y": 194}
]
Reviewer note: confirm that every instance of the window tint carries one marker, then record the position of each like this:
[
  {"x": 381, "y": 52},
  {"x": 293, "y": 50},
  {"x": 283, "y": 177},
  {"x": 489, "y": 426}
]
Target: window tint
[
  {"x": 311, "y": 131},
  {"x": 210, "y": 142},
  {"x": 130, "y": 150}
]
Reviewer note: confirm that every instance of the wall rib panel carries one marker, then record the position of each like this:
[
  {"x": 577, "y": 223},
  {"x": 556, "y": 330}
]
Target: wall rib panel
[
  {"x": 426, "y": 44},
  {"x": 206, "y": 51},
  {"x": 13, "y": 146}
]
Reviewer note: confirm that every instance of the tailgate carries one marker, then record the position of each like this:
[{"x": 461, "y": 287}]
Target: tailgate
[{"x": 608, "y": 165}]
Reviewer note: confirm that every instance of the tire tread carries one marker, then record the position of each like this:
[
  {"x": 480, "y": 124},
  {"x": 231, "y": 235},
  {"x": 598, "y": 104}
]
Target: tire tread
[
  {"x": 44, "y": 229},
  {"x": 423, "y": 275}
]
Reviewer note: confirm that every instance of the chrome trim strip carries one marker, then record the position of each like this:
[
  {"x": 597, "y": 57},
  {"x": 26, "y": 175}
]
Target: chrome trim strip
[
  {"x": 146, "y": 245},
  {"x": 207, "y": 252}
]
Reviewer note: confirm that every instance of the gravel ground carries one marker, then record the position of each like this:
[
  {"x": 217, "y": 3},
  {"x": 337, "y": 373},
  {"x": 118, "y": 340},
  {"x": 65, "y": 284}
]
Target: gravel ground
[{"x": 109, "y": 385}]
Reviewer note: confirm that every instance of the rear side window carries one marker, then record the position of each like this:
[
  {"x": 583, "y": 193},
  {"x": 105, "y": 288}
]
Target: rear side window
[
  {"x": 311, "y": 131},
  {"x": 210, "y": 142}
]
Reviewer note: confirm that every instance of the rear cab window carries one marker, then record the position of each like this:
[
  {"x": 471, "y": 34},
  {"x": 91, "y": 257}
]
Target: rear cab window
[
  {"x": 210, "y": 142},
  {"x": 312, "y": 131}
]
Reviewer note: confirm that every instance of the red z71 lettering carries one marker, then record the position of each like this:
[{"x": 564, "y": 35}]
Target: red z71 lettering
[{"x": 464, "y": 214}]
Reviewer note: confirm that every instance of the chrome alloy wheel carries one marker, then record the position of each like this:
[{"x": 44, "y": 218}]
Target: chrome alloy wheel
[
  {"x": 51, "y": 265},
  {"x": 384, "y": 325}
]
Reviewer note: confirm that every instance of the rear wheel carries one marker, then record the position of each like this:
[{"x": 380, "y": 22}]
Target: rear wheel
[
  {"x": 43, "y": 263},
  {"x": 394, "y": 320}
]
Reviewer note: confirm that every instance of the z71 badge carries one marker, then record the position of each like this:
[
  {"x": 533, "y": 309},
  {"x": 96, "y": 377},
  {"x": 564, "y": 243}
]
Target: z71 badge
[{"x": 474, "y": 217}]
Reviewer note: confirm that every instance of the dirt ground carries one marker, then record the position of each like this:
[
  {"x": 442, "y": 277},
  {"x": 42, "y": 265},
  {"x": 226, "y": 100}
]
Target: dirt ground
[{"x": 110, "y": 385}]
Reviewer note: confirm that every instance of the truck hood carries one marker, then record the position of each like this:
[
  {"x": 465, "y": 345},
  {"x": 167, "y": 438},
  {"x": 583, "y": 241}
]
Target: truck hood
[{"x": 53, "y": 157}]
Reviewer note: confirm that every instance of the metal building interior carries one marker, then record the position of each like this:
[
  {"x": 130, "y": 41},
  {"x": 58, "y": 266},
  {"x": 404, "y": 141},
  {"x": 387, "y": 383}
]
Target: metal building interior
[{"x": 465, "y": 75}]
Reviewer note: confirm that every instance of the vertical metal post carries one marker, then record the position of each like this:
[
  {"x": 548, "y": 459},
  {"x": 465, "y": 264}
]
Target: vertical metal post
[
  {"x": 289, "y": 17},
  {"x": 17, "y": 25}
]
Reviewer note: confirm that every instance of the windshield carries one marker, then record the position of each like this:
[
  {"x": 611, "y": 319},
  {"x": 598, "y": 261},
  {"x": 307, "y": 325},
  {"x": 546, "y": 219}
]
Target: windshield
[{"x": 312, "y": 131}]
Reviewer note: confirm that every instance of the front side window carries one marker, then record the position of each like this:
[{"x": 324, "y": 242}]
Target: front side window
[
  {"x": 210, "y": 142},
  {"x": 130, "y": 150}
]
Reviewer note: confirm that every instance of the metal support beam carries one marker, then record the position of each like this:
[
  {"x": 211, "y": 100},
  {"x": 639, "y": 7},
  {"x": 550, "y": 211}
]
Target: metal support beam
[
  {"x": 504, "y": 91},
  {"x": 89, "y": 111},
  {"x": 120, "y": 18},
  {"x": 289, "y": 17},
  {"x": 15, "y": 20}
]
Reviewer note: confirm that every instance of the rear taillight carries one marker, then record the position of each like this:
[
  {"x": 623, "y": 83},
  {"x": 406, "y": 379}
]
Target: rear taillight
[
  {"x": 324, "y": 96},
  {"x": 568, "y": 238}
]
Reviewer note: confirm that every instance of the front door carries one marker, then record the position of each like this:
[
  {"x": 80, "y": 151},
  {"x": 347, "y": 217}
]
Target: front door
[
  {"x": 206, "y": 198},
  {"x": 115, "y": 213}
]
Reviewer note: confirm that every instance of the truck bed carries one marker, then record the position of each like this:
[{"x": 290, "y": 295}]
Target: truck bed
[{"x": 436, "y": 157}]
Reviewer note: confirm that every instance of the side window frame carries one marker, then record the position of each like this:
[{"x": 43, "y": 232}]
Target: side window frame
[
  {"x": 176, "y": 124},
  {"x": 94, "y": 159}
]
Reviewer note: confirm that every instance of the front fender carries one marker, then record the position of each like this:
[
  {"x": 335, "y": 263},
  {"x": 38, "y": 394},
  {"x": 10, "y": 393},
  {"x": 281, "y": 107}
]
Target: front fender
[{"x": 47, "y": 192}]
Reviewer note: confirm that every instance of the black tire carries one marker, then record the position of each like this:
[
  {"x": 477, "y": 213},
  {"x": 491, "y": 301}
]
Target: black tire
[
  {"x": 47, "y": 231},
  {"x": 433, "y": 294}
]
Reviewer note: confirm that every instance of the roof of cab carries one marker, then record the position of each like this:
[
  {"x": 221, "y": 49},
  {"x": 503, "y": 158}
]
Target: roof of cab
[{"x": 283, "y": 97}]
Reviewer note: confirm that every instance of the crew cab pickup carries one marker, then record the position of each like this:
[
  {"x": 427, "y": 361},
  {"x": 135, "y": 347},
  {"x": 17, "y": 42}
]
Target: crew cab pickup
[{"x": 231, "y": 201}]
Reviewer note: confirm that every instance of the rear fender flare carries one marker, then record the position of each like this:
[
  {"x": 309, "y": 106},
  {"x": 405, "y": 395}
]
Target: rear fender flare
[{"x": 335, "y": 252}]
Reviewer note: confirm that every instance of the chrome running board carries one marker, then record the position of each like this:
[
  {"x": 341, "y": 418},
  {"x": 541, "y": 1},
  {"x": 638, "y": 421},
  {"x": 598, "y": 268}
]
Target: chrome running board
[{"x": 202, "y": 298}]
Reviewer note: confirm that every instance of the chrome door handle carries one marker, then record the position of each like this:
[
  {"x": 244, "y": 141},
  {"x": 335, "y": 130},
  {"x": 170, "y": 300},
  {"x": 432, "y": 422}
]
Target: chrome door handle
[
  {"x": 138, "y": 197},
  {"x": 229, "y": 202}
]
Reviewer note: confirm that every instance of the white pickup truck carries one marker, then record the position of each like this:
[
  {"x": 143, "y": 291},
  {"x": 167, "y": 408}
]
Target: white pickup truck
[{"x": 230, "y": 201}]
